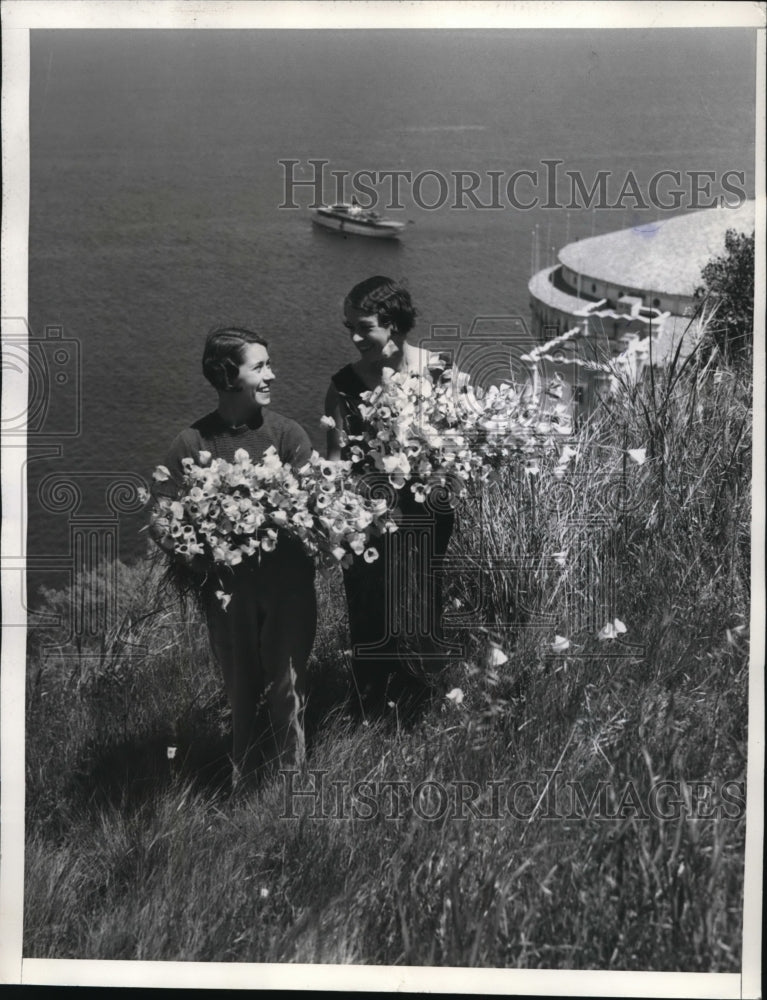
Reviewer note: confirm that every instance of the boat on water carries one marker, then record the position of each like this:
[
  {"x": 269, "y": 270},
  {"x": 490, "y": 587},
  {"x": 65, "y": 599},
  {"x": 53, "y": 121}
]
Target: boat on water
[{"x": 357, "y": 221}]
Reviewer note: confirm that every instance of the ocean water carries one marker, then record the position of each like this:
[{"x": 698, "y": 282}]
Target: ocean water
[{"x": 155, "y": 187}]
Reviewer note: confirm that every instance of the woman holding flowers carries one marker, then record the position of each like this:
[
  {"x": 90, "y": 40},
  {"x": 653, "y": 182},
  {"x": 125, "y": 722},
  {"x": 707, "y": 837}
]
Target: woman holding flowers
[
  {"x": 394, "y": 593},
  {"x": 261, "y": 609}
]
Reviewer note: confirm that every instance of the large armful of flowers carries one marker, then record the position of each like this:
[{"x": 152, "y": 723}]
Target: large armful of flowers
[
  {"x": 438, "y": 432},
  {"x": 228, "y": 512},
  {"x": 423, "y": 433}
]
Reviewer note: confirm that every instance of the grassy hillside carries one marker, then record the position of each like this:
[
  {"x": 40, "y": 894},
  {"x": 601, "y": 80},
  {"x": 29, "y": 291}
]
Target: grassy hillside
[{"x": 136, "y": 854}]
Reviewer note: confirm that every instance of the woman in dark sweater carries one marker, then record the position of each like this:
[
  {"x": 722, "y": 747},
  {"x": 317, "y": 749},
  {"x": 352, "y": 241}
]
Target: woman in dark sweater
[
  {"x": 263, "y": 637},
  {"x": 395, "y": 602}
]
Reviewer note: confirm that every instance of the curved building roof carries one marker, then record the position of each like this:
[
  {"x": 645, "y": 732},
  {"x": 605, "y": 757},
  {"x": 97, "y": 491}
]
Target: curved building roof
[{"x": 665, "y": 256}]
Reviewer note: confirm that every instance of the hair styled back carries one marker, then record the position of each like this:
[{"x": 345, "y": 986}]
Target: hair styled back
[
  {"x": 223, "y": 354},
  {"x": 386, "y": 299}
]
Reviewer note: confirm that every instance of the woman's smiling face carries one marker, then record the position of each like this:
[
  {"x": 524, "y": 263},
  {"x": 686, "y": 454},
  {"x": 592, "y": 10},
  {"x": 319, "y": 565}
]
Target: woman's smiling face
[
  {"x": 367, "y": 334},
  {"x": 255, "y": 375}
]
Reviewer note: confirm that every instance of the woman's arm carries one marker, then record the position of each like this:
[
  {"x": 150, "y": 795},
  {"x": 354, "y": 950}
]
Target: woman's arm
[{"x": 334, "y": 408}]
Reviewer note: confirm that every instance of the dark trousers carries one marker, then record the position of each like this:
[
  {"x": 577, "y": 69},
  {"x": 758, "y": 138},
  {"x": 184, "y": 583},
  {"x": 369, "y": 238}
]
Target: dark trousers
[
  {"x": 262, "y": 642},
  {"x": 395, "y": 609}
]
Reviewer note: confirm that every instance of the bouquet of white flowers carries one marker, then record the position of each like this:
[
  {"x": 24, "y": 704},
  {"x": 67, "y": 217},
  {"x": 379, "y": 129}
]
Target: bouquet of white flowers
[
  {"x": 344, "y": 518},
  {"x": 229, "y": 511},
  {"x": 509, "y": 421},
  {"x": 437, "y": 431},
  {"x": 415, "y": 436}
]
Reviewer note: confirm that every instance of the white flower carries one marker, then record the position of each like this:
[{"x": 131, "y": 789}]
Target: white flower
[
  {"x": 495, "y": 656},
  {"x": 161, "y": 474},
  {"x": 357, "y": 543},
  {"x": 456, "y": 696},
  {"x": 560, "y": 558},
  {"x": 204, "y": 457},
  {"x": 638, "y": 455},
  {"x": 328, "y": 470},
  {"x": 560, "y": 644},
  {"x": 388, "y": 349},
  {"x": 171, "y": 752},
  {"x": 612, "y": 630},
  {"x": 370, "y": 555},
  {"x": 177, "y": 510},
  {"x": 327, "y": 422},
  {"x": 269, "y": 541},
  {"x": 224, "y": 598}
]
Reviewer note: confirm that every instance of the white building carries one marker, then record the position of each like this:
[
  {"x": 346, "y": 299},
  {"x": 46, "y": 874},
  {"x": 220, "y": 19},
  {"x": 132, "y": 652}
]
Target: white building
[{"x": 633, "y": 283}]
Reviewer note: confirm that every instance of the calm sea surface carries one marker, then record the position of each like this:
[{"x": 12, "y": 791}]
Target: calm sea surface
[{"x": 155, "y": 187}]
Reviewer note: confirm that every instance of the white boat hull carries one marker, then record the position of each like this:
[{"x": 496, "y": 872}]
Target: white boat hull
[{"x": 379, "y": 230}]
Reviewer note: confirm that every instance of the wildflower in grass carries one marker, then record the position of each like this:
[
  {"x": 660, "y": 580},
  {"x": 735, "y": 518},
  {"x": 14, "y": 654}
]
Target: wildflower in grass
[
  {"x": 638, "y": 455},
  {"x": 735, "y": 633},
  {"x": 456, "y": 696},
  {"x": 560, "y": 644},
  {"x": 560, "y": 558},
  {"x": 495, "y": 656},
  {"x": 612, "y": 630}
]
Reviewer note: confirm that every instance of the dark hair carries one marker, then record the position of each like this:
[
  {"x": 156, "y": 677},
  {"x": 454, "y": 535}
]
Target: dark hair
[
  {"x": 389, "y": 301},
  {"x": 223, "y": 354}
]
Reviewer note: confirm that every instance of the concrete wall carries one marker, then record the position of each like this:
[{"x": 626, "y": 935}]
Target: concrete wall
[{"x": 675, "y": 304}]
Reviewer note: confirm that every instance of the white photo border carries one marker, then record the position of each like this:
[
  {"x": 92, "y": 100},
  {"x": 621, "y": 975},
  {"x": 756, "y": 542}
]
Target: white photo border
[{"x": 21, "y": 16}]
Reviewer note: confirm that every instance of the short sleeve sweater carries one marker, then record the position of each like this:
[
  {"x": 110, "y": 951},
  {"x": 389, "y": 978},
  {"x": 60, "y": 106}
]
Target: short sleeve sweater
[{"x": 212, "y": 434}]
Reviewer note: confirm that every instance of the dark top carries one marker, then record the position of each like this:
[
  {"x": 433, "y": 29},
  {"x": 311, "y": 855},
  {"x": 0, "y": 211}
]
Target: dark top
[
  {"x": 349, "y": 387},
  {"x": 212, "y": 434}
]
